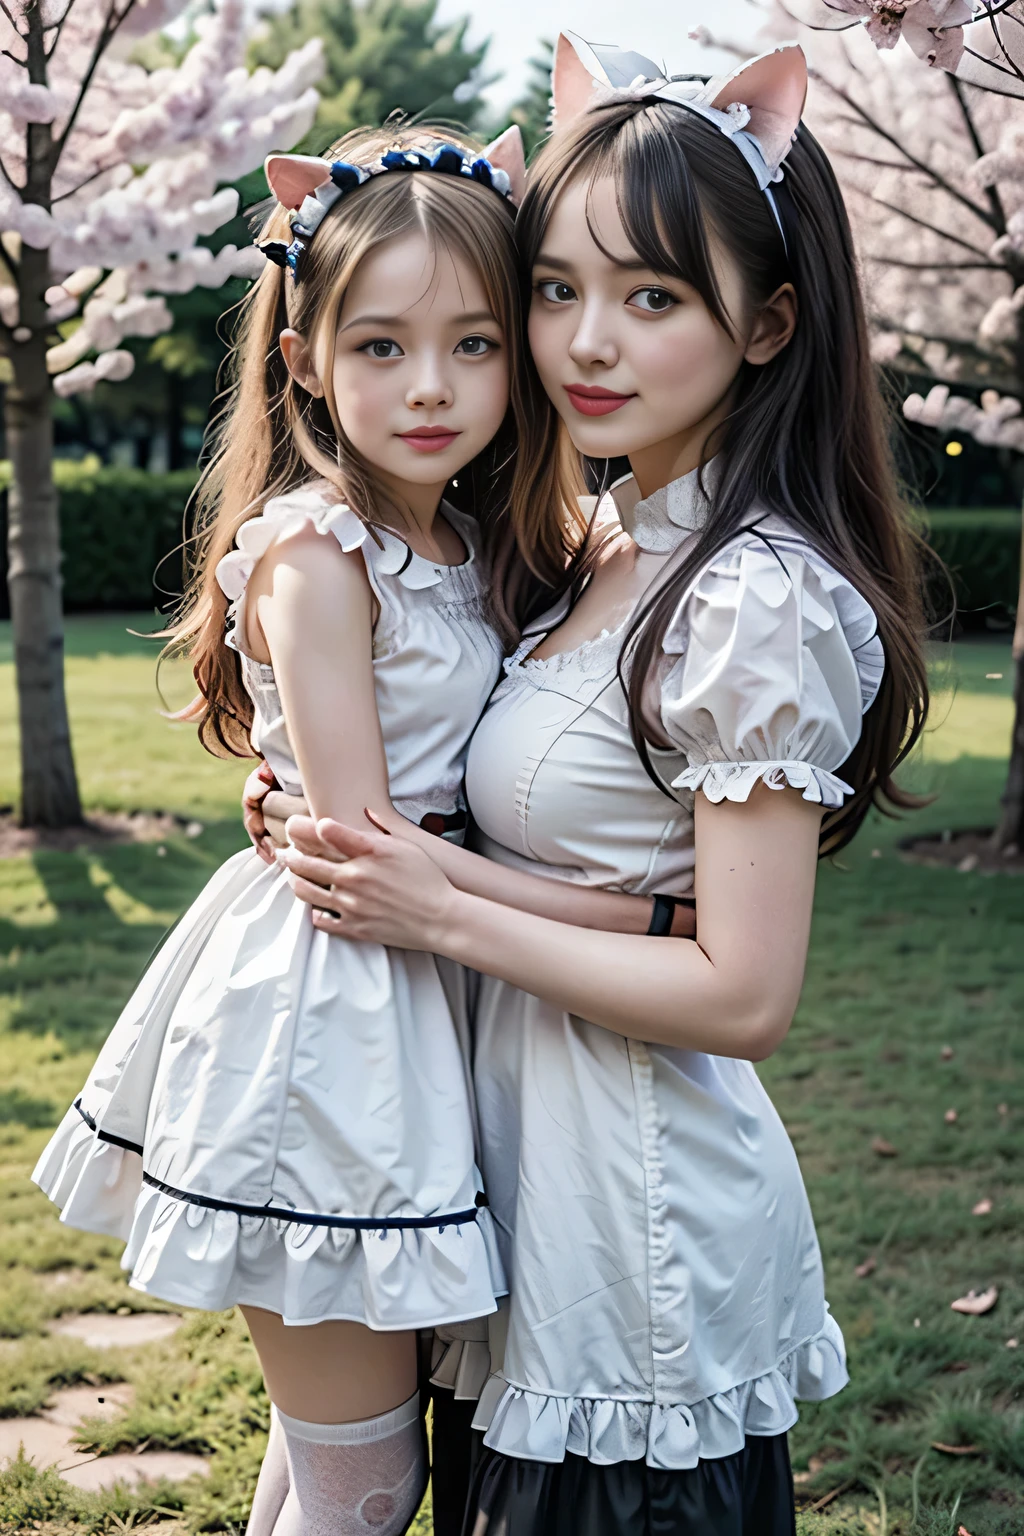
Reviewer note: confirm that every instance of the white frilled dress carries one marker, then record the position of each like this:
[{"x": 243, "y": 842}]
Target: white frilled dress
[
  {"x": 666, "y": 1284},
  {"x": 280, "y": 1117}
]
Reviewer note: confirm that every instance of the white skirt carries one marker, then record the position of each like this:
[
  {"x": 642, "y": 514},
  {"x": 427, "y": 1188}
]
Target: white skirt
[{"x": 283, "y": 1119}]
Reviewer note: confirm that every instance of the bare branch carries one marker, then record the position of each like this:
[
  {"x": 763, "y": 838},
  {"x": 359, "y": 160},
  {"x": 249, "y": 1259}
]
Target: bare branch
[
  {"x": 108, "y": 32},
  {"x": 58, "y": 28},
  {"x": 921, "y": 165},
  {"x": 7, "y": 54},
  {"x": 882, "y": 165},
  {"x": 1012, "y": 62},
  {"x": 936, "y": 266},
  {"x": 5, "y": 173},
  {"x": 995, "y": 201},
  {"x": 943, "y": 234},
  {"x": 10, "y": 18},
  {"x": 94, "y": 176},
  {"x": 983, "y": 58}
]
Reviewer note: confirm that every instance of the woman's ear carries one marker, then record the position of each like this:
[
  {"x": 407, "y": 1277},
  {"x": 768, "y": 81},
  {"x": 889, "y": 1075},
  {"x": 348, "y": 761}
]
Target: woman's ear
[
  {"x": 773, "y": 328},
  {"x": 299, "y": 363}
]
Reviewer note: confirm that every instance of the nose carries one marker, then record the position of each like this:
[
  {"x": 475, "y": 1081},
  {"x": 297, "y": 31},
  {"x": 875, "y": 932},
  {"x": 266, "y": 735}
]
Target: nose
[
  {"x": 593, "y": 341},
  {"x": 432, "y": 387}
]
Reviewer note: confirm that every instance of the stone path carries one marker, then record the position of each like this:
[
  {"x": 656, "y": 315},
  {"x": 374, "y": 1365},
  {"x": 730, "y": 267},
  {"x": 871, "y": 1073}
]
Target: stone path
[{"x": 47, "y": 1437}]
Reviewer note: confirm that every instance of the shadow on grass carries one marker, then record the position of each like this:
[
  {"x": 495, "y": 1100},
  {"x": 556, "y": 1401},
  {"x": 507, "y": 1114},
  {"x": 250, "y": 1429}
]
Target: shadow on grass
[{"x": 71, "y": 970}]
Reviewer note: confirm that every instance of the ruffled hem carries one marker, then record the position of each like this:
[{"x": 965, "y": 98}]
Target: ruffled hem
[
  {"x": 194, "y": 1256},
  {"x": 734, "y": 781},
  {"x": 461, "y": 1359},
  {"x": 535, "y": 1426}
]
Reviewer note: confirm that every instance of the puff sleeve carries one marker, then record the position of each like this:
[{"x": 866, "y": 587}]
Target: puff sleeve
[{"x": 773, "y": 658}]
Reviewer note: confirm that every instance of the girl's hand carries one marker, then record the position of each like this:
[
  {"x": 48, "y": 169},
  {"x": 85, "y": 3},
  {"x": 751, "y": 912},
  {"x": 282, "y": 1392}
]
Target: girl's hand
[
  {"x": 376, "y": 888},
  {"x": 259, "y": 783}
]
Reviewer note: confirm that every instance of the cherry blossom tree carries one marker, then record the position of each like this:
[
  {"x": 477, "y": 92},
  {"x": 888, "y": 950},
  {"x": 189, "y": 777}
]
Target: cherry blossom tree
[
  {"x": 110, "y": 172},
  {"x": 920, "y": 104}
]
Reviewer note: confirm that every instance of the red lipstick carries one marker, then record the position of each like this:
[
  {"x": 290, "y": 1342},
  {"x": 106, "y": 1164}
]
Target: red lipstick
[
  {"x": 591, "y": 400},
  {"x": 430, "y": 439}
]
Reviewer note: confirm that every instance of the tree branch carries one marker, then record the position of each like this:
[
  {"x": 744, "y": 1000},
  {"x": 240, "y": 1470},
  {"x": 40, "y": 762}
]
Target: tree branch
[
  {"x": 1000, "y": 69},
  {"x": 921, "y": 165},
  {"x": 108, "y": 32},
  {"x": 912, "y": 218},
  {"x": 1012, "y": 62},
  {"x": 58, "y": 29},
  {"x": 5, "y": 173},
  {"x": 937, "y": 266},
  {"x": 94, "y": 176},
  {"x": 9, "y": 55},
  {"x": 883, "y": 165},
  {"x": 10, "y": 18},
  {"x": 995, "y": 201}
]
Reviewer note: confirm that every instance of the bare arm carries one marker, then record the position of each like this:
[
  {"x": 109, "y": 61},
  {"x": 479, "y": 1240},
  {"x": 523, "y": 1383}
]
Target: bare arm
[
  {"x": 311, "y": 606},
  {"x": 734, "y": 994}
]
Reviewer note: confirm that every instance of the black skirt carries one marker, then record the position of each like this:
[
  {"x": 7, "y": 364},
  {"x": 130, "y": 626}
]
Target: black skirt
[{"x": 747, "y": 1494}]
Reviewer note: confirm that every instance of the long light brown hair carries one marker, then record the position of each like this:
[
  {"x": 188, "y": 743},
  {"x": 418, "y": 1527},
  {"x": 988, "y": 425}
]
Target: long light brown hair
[
  {"x": 272, "y": 435},
  {"x": 807, "y": 435}
]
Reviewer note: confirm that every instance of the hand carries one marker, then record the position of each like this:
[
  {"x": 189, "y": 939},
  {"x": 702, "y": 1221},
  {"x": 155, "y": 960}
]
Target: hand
[
  {"x": 278, "y": 809},
  {"x": 257, "y": 786},
  {"x": 378, "y": 888}
]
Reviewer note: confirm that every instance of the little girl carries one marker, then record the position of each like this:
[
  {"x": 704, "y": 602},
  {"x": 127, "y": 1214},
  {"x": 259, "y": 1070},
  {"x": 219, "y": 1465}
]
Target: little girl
[{"x": 729, "y": 694}]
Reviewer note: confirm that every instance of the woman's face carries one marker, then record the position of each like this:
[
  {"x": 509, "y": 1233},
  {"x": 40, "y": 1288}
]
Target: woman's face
[{"x": 633, "y": 361}]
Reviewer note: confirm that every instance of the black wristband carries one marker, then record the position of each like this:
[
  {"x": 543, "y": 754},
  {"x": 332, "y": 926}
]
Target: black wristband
[{"x": 664, "y": 911}]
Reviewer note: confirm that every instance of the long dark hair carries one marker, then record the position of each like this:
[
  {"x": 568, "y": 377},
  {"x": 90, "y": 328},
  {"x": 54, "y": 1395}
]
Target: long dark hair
[{"x": 807, "y": 435}]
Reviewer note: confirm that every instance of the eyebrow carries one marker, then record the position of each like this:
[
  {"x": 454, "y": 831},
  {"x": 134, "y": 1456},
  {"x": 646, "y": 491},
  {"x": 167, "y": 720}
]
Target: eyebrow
[
  {"x": 397, "y": 322},
  {"x": 558, "y": 265}
]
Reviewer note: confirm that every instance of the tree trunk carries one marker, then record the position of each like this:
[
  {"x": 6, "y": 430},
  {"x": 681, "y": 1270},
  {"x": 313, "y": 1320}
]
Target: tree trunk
[
  {"x": 1009, "y": 834},
  {"x": 49, "y": 790}
]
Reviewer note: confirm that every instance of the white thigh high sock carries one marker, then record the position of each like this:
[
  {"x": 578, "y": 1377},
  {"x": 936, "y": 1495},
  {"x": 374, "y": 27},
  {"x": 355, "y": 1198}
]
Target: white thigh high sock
[
  {"x": 272, "y": 1487},
  {"x": 363, "y": 1479}
]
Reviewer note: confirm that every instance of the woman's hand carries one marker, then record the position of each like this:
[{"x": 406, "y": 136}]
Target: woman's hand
[{"x": 369, "y": 885}]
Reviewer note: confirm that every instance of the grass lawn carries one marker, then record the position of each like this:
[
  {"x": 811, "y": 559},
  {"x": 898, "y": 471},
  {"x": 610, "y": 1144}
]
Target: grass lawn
[{"x": 905, "y": 961}]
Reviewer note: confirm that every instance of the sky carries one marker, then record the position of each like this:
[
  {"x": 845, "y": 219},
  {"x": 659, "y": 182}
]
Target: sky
[{"x": 657, "y": 28}]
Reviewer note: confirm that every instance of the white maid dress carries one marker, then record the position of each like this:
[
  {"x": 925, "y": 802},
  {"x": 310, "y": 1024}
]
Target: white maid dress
[
  {"x": 280, "y": 1117},
  {"x": 667, "y": 1296}
]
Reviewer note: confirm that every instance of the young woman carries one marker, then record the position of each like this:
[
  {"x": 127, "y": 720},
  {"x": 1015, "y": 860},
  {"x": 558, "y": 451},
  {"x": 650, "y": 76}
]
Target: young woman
[
  {"x": 280, "y": 1120},
  {"x": 730, "y": 692}
]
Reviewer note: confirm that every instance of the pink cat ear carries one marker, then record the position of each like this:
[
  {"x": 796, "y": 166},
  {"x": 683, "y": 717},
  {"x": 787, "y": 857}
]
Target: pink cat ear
[
  {"x": 294, "y": 177},
  {"x": 507, "y": 154},
  {"x": 773, "y": 88},
  {"x": 572, "y": 81}
]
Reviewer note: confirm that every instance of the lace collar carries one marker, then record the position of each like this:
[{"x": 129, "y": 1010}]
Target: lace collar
[{"x": 659, "y": 523}]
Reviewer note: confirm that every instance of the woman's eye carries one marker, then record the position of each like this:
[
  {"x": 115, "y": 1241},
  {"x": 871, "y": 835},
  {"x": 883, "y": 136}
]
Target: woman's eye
[
  {"x": 382, "y": 348},
  {"x": 556, "y": 293},
  {"x": 654, "y": 301},
  {"x": 476, "y": 346}
]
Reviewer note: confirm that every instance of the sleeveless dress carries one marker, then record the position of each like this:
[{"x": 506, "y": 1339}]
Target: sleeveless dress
[
  {"x": 667, "y": 1296},
  {"x": 281, "y": 1117}
]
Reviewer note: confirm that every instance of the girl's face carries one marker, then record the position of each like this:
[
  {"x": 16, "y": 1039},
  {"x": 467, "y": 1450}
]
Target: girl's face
[
  {"x": 633, "y": 361},
  {"x": 420, "y": 370}
]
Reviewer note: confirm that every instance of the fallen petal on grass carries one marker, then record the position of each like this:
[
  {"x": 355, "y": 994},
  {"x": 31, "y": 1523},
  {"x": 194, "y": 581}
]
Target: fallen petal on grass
[
  {"x": 1012, "y": 1343},
  {"x": 868, "y": 1267},
  {"x": 951, "y": 1117},
  {"x": 956, "y": 1450},
  {"x": 1004, "y": 1109},
  {"x": 883, "y": 1148},
  {"x": 976, "y": 1302},
  {"x": 982, "y": 1208},
  {"x": 946, "y": 1053}
]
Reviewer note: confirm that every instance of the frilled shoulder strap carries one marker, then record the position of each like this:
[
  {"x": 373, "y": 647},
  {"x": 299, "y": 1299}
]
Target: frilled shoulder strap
[{"x": 281, "y": 517}]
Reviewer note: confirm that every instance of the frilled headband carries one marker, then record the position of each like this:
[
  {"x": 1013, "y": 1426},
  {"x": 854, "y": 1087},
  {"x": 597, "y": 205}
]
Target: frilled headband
[
  {"x": 309, "y": 187},
  {"x": 757, "y": 107}
]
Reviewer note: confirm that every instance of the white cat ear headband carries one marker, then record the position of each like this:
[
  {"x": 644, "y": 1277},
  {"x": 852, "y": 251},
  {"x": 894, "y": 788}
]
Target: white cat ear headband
[
  {"x": 758, "y": 106},
  {"x": 309, "y": 187}
]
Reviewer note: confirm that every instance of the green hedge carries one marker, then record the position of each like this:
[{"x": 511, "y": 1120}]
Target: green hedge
[
  {"x": 117, "y": 525},
  {"x": 981, "y": 552}
]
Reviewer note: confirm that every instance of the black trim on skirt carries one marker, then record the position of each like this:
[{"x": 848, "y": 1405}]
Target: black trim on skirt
[{"x": 747, "y": 1494}]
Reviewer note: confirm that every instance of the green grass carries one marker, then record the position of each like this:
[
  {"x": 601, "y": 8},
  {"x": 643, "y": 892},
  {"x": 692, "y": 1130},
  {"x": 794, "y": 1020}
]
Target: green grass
[{"x": 905, "y": 960}]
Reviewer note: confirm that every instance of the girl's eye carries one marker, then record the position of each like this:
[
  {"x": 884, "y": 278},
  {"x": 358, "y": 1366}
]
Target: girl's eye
[
  {"x": 556, "y": 293},
  {"x": 653, "y": 301},
  {"x": 382, "y": 348},
  {"x": 476, "y": 346}
]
